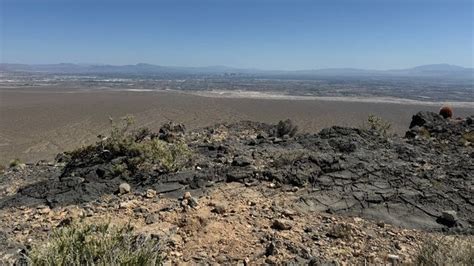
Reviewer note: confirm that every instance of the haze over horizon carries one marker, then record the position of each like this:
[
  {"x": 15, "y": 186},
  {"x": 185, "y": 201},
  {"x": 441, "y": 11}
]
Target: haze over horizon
[
  {"x": 270, "y": 35},
  {"x": 439, "y": 67}
]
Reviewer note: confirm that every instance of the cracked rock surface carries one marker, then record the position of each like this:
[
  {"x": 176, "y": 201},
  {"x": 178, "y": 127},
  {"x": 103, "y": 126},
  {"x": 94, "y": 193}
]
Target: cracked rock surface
[{"x": 423, "y": 180}]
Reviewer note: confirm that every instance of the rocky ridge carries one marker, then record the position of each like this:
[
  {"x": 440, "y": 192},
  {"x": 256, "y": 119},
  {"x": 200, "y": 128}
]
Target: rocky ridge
[{"x": 421, "y": 181}]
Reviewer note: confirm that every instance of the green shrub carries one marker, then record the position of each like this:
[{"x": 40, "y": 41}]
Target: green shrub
[
  {"x": 89, "y": 244},
  {"x": 119, "y": 169},
  {"x": 14, "y": 163},
  {"x": 286, "y": 128},
  {"x": 171, "y": 156},
  {"x": 448, "y": 250},
  {"x": 141, "y": 149},
  {"x": 378, "y": 124}
]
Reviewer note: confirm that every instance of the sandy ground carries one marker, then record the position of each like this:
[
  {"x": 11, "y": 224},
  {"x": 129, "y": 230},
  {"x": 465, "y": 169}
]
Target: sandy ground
[
  {"x": 240, "y": 231},
  {"x": 37, "y": 123}
]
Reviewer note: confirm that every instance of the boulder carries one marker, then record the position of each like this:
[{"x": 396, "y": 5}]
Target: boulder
[
  {"x": 448, "y": 218},
  {"x": 425, "y": 118},
  {"x": 280, "y": 224},
  {"x": 124, "y": 188}
]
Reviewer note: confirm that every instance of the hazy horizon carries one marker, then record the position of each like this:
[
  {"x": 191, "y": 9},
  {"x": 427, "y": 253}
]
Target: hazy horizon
[
  {"x": 230, "y": 66},
  {"x": 269, "y": 35}
]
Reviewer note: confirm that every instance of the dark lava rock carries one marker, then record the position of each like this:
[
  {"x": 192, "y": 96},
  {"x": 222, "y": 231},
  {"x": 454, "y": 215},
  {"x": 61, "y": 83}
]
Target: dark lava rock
[
  {"x": 404, "y": 181},
  {"x": 242, "y": 161},
  {"x": 432, "y": 126},
  {"x": 239, "y": 175},
  {"x": 281, "y": 224},
  {"x": 428, "y": 119},
  {"x": 448, "y": 218},
  {"x": 271, "y": 249},
  {"x": 171, "y": 131}
]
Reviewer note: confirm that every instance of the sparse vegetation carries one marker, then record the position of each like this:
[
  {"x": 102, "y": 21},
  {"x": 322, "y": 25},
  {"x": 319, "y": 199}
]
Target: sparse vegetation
[
  {"x": 14, "y": 163},
  {"x": 378, "y": 124},
  {"x": 101, "y": 244},
  {"x": 447, "y": 250},
  {"x": 271, "y": 181},
  {"x": 468, "y": 136},
  {"x": 119, "y": 169},
  {"x": 286, "y": 127},
  {"x": 132, "y": 151}
]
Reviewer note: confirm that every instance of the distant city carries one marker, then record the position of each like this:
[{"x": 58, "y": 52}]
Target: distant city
[{"x": 433, "y": 83}]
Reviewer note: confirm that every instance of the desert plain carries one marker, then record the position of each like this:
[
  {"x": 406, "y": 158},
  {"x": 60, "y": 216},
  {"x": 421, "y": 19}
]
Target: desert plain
[{"x": 36, "y": 123}]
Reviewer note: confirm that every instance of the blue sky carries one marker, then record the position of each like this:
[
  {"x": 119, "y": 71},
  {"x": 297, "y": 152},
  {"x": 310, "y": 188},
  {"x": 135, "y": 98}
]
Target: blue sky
[{"x": 297, "y": 34}]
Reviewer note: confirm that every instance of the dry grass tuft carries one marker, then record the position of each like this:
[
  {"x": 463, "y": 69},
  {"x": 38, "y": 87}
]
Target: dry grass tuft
[
  {"x": 90, "y": 244},
  {"x": 447, "y": 250}
]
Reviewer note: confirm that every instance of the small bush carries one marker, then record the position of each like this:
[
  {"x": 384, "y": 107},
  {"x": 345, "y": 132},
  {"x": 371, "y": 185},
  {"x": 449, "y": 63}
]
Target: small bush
[
  {"x": 286, "y": 128},
  {"x": 144, "y": 133},
  {"x": 448, "y": 250},
  {"x": 468, "y": 136},
  {"x": 169, "y": 156},
  {"x": 119, "y": 169},
  {"x": 138, "y": 150},
  {"x": 102, "y": 244},
  {"x": 378, "y": 124},
  {"x": 2, "y": 168},
  {"x": 14, "y": 162}
]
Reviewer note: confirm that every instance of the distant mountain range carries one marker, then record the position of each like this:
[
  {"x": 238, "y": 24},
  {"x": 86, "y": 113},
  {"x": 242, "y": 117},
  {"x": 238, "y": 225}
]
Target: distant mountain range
[{"x": 435, "y": 70}]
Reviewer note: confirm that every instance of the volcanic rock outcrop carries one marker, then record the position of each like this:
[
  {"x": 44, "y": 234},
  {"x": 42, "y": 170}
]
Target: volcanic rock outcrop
[{"x": 423, "y": 180}]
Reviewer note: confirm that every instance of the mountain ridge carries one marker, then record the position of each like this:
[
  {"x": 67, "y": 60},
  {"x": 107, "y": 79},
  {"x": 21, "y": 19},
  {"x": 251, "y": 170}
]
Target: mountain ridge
[{"x": 145, "y": 68}]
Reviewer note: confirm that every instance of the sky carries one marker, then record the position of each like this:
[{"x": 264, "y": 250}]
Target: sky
[{"x": 263, "y": 34}]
